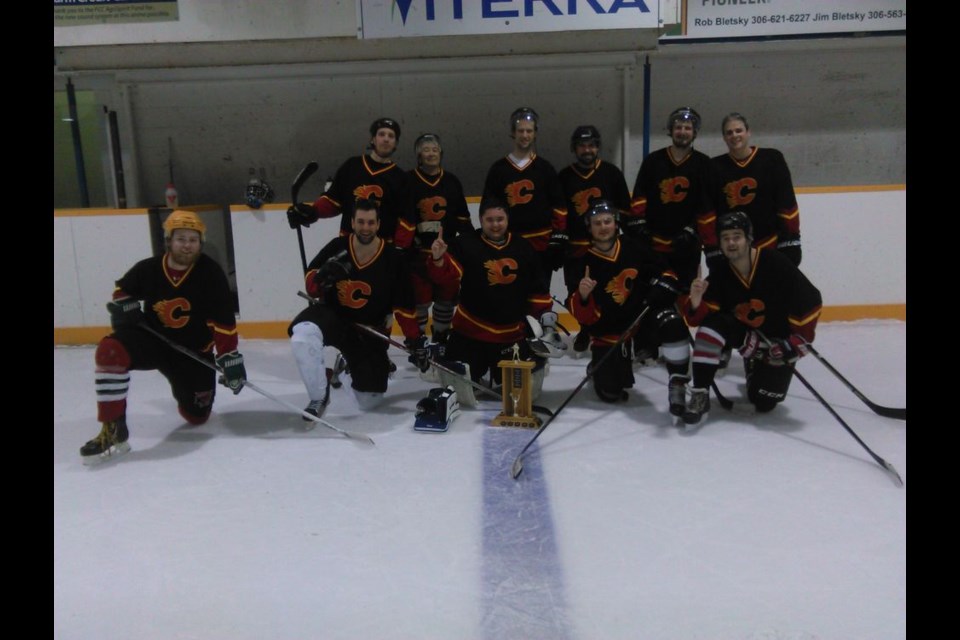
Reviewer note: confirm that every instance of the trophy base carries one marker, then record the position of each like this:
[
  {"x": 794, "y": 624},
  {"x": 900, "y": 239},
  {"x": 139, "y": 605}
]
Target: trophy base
[{"x": 527, "y": 422}]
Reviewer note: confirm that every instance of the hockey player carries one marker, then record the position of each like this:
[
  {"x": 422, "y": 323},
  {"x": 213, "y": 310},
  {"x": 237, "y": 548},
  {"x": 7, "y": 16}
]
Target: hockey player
[
  {"x": 757, "y": 181},
  {"x": 438, "y": 203},
  {"x": 188, "y": 300},
  {"x": 359, "y": 278},
  {"x": 608, "y": 287},
  {"x": 588, "y": 179},
  {"x": 672, "y": 209},
  {"x": 529, "y": 185},
  {"x": 373, "y": 176},
  {"x": 499, "y": 278},
  {"x": 761, "y": 304}
]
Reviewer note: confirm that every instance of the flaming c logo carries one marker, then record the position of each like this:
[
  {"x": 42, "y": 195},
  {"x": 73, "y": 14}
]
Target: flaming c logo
[
  {"x": 674, "y": 189},
  {"x": 581, "y": 199},
  {"x": 620, "y": 285},
  {"x": 519, "y": 192},
  {"x": 353, "y": 293},
  {"x": 432, "y": 208},
  {"x": 172, "y": 313},
  {"x": 369, "y": 191},
  {"x": 497, "y": 271},
  {"x": 750, "y": 313},
  {"x": 741, "y": 191}
]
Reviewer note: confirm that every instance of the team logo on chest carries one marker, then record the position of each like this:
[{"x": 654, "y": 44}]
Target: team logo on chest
[
  {"x": 432, "y": 208},
  {"x": 620, "y": 285},
  {"x": 674, "y": 189},
  {"x": 353, "y": 293},
  {"x": 740, "y": 192},
  {"x": 751, "y": 312},
  {"x": 172, "y": 313},
  {"x": 581, "y": 199},
  {"x": 497, "y": 271},
  {"x": 519, "y": 192},
  {"x": 369, "y": 191}
]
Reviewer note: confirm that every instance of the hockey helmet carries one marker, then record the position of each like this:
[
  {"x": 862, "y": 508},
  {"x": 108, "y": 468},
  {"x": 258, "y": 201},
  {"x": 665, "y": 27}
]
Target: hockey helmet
[
  {"x": 735, "y": 220},
  {"x": 584, "y": 133},
  {"x": 424, "y": 139},
  {"x": 181, "y": 219},
  {"x": 258, "y": 192},
  {"x": 524, "y": 113},
  {"x": 684, "y": 114},
  {"x": 381, "y": 123},
  {"x": 601, "y": 206}
]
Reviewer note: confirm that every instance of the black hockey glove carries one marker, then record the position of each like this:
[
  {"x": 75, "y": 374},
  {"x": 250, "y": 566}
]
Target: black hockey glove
[
  {"x": 337, "y": 267},
  {"x": 301, "y": 214},
  {"x": 125, "y": 312},
  {"x": 715, "y": 258},
  {"x": 687, "y": 242},
  {"x": 663, "y": 292},
  {"x": 234, "y": 373},
  {"x": 637, "y": 229},
  {"x": 791, "y": 249},
  {"x": 787, "y": 350},
  {"x": 419, "y": 352}
]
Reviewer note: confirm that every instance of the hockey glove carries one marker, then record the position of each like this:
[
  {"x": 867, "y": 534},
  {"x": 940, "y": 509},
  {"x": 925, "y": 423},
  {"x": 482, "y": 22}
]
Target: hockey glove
[
  {"x": 234, "y": 373},
  {"x": 715, "y": 259},
  {"x": 125, "y": 312},
  {"x": 686, "y": 242},
  {"x": 419, "y": 352},
  {"x": 663, "y": 292},
  {"x": 787, "y": 350},
  {"x": 301, "y": 214},
  {"x": 637, "y": 229},
  {"x": 550, "y": 336},
  {"x": 791, "y": 249},
  {"x": 751, "y": 344},
  {"x": 338, "y": 267}
]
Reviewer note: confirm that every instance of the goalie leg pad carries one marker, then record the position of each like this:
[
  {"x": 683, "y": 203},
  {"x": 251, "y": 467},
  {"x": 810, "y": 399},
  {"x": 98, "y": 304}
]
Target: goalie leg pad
[{"x": 464, "y": 389}]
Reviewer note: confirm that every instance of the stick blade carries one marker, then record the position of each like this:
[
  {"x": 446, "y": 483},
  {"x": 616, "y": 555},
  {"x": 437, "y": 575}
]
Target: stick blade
[
  {"x": 889, "y": 412},
  {"x": 517, "y": 467}
]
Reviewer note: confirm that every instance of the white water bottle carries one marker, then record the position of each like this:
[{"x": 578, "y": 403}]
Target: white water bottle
[{"x": 171, "y": 195}]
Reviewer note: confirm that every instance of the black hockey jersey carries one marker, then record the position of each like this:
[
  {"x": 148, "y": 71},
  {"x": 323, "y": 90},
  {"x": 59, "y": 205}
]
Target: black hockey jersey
[
  {"x": 602, "y": 182},
  {"x": 499, "y": 286},
  {"x": 194, "y": 310},
  {"x": 533, "y": 195},
  {"x": 435, "y": 202},
  {"x": 761, "y": 187}
]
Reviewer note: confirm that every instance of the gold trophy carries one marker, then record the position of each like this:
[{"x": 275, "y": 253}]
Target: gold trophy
[{"x": 517, "y": 401}]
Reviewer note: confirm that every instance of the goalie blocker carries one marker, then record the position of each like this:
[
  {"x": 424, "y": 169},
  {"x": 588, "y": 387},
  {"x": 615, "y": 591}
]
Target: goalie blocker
[{"x": 437, "y": 410}]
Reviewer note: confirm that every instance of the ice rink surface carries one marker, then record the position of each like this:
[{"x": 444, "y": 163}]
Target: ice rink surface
[{"x": 251, "y": 527}]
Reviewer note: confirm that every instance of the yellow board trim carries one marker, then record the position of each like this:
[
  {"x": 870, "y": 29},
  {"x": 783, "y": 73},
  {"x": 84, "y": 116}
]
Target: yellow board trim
[{"x": 278, "y": 330}]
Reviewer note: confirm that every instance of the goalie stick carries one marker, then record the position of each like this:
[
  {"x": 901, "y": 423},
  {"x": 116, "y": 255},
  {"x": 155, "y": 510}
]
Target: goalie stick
[
  {"x": 307, "y": 171},
  {"x": 191, "y": 354}
]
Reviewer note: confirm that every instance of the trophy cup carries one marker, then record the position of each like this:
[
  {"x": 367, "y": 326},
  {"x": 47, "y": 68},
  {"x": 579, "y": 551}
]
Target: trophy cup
[{"x": 517, "y": 401}]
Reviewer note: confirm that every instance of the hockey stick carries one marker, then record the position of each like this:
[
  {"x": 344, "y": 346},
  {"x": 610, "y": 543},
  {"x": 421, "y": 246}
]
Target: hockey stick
[
  {"x": 370, "y": 330},
  {"x": 191, "y": 354},
  {"x": 883, "y": 463},
  {"x": 310, "y": 168},
  {"x": 517, "y": 467},
  {"x": 886, "y": 412}
]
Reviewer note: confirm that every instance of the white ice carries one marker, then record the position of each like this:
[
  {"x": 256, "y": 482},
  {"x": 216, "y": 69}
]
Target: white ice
[{"x": 251, "y": 527}]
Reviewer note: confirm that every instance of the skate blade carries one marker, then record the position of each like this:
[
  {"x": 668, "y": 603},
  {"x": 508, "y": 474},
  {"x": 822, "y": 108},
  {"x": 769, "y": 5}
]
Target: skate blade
[{"x": 115, "y": 451}]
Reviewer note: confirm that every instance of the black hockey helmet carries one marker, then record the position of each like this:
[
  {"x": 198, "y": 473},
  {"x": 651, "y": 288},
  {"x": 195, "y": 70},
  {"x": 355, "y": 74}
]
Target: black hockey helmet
[
  {"x": 601, "y": 206},
  {"x": 735, "y": 220},
  {"x": 684, "y": 114},
  {"x": 258, "y": 192},
  {"x": 584, "y": 133},
  {"x": 524, "y": 113},
  {"x": 388, "y": 123}
]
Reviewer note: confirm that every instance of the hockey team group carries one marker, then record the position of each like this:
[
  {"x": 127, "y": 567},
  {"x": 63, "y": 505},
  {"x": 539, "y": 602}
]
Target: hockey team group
[{"x": 408, "y": 254}]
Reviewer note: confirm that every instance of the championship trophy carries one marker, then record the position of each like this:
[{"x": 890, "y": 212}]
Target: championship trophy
[{"x": 517, "y": 401}]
